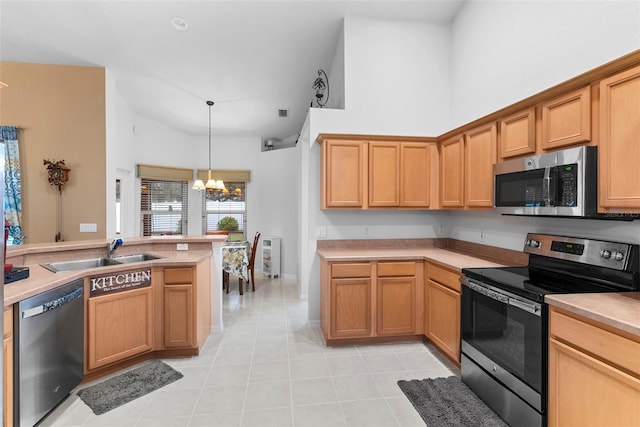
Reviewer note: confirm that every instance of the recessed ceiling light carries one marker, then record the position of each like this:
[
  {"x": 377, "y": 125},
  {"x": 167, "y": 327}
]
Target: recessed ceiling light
[{"x": 179, "y": 23}]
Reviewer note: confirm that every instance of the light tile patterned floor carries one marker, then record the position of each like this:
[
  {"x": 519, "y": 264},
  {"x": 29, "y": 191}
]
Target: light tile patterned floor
[{"x": 270, "y": 368}]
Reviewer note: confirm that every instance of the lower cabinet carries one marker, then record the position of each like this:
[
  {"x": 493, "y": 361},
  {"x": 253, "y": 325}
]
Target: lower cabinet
[
  {"x": 442, "y": 310},
  {"x": 120, "y": 326},
  {"x": 594, "y": 373},
  {"x": 369, "y": 299},
  {"x": 7, "y": 368},
  {"x": 396, "y": 302},
  {"x": 178, "y": 308}
]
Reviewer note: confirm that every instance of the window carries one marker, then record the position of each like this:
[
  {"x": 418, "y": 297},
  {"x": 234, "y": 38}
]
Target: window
[
  {"x": 231, "y": 202},
  {"x": 163, "y": 207}
]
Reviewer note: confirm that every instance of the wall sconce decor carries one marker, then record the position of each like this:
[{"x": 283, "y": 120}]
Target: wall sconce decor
[
  {"x": 211, "y": 183},
  {"x": 321, "y": 85},
  {"x": 58, "y": 174}
]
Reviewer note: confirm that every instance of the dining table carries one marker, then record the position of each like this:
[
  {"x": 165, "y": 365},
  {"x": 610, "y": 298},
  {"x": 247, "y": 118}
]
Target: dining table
[{"x": 235, "y": 261}]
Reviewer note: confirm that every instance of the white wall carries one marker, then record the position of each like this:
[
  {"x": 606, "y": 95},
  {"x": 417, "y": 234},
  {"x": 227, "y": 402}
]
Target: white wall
[
  {"x": 396, "y": 77},
  {"x": 506, "y": 51},
  {"x": 494, "y": 54}
]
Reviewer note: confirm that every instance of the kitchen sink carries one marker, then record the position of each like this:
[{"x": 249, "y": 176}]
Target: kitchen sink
[
  {"x": 126, "y": 259},
  {"x": 82, "y": 264}
]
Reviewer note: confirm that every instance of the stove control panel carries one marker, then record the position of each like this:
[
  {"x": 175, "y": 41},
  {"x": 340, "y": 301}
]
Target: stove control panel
[{"x": 601, "y": 253}]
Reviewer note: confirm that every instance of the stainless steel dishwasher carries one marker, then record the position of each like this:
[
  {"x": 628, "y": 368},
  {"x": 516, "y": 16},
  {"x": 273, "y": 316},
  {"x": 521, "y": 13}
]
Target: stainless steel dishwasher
[{"x": 49, "y": 349}]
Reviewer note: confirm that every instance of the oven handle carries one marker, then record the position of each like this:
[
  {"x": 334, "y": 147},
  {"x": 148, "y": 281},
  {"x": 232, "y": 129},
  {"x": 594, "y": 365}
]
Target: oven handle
[{"x": 530, "y": 308}]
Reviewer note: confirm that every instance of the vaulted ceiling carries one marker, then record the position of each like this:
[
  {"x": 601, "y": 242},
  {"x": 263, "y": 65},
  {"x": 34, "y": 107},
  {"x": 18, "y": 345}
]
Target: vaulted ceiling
[{"x": 252, "y": 58}]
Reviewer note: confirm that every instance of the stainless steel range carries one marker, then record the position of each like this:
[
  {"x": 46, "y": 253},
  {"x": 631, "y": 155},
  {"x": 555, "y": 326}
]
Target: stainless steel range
[{"x": 504, "y": 316}]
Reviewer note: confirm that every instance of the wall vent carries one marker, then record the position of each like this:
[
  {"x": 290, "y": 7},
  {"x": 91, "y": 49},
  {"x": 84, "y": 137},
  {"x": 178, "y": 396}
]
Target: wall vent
[{"x": 283, "y": 113}]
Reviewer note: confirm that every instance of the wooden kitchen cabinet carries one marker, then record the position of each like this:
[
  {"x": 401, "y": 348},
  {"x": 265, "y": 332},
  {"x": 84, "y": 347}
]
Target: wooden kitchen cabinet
[
  {"x": 517, "y": 134},
  {"x": 466, "y": 168},
  {"x": 480, "y": 155},
  {"x": 7, "y": 368},
  {"x": 343, "y": 173},
  {"x": 179, "y": 321},
  {"x": 350, "y": 301},
  {"x": 384, "y": 174},
  {"x": 120, "y": 325},
  {"x": 594, "y": 373},
  {"x": 566, "y": 119},
  {"x": 619, "y": 150},
  {"x": 363, "y": 173},
  {"x": 442, "y": 310},
  {"x": 452, "y": 172},
  {"x": 396, "y": 298}
]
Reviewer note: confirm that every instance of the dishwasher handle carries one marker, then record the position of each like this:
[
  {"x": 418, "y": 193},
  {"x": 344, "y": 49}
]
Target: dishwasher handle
[{"x": 53, "y": 304}]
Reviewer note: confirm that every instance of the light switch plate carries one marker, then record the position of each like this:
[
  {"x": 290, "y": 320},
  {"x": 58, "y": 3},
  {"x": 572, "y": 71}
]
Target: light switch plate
[
  {"x": 88, "y": 228},
  {"x": 182, "y": 246}
]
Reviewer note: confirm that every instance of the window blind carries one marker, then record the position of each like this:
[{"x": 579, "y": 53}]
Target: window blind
[{"x": 163, "y": 207}]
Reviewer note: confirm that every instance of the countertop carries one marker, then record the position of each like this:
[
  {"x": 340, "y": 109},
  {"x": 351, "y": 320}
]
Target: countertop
[
  {"x": 444, "y": 257},
  {"x": 618, "y": 310},
  {"x": 40, "y": 279}
]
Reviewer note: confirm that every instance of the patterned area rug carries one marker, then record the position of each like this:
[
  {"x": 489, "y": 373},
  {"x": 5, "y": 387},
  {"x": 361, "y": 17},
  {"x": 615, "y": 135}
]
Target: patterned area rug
[
  {"x": 443, "y": 402},
  {"x": 130, "y": 385}
]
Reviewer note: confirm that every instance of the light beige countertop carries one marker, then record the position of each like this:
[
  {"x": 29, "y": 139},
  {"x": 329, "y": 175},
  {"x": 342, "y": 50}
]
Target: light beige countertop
[
  {"x": 618, "y": 310},
  {"x": 40, "y": 279},
  {"x": 444, "y": 257}
]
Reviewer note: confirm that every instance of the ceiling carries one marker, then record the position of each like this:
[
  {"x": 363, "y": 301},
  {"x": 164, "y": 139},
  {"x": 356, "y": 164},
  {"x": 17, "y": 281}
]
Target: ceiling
[{"x": 252, "y": 58}]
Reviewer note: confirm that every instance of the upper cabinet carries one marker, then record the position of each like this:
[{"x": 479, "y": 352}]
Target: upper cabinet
[
  {"x": 466, "y": 168},
  {"x": 619, "y": 145},
  {"x": 518, "y": 134},
  {"x": 566, "y": 120},
  {"x": 362, "y": 173},
  {"x": 343, "y": 173}
]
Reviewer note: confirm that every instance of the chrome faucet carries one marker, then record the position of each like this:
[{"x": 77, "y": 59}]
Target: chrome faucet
[{"x": 115, "y": 244}]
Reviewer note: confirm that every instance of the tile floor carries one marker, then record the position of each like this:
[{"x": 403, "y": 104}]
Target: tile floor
[{"x": 270, "y": 368}]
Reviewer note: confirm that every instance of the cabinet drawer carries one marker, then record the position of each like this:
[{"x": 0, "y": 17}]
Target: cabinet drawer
[
  {"x": 443, "y": 276},
  {"x": 608, "y": 346},
  {"x": 178, "y": 275},
  {"x": 396, "y": 269},
  {"x": 362, "y": 269}
]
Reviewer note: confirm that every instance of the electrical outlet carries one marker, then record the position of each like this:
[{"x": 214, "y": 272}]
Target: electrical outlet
[
  {"x": 441, "y": 229},
  {"x": 366, "y": 231},
  {"x": 482, "y": 236},
  {"x": 182, "y": 246},
  {"x": 321, "y": 232}
]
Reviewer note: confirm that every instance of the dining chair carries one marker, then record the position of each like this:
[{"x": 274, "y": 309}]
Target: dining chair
[{"x": 252, "y": 258}]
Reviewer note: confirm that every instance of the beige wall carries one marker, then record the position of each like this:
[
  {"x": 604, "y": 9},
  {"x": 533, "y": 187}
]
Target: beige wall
[{"x": 62, "y": 111}]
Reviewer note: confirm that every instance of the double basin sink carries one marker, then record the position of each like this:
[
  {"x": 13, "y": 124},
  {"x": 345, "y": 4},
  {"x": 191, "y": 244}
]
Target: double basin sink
[{"x": 82, "y": 264}]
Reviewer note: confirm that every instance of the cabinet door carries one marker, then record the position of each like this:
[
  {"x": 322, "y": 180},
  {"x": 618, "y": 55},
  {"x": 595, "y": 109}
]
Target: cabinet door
[
  {"x": 178, "y": 316},
  {"x": 619, "y": 149},
  {"x": 584, "y": 391},
  {"x": 566, "y": 120},
  {"x": 350, "y": 308},
  {"x": 343, "y": 169},
  {"x": 452, "y": 172},
  {"x": 517, "y": 134},
  {"x": 442, "y": 316},
  {"x": 480, "y": 155},
  {"x": 415, "y": 171},
  {"x": 396, "y": 305},
  {"x": 384, "y": 174},
  {"x": 120, "y": 326},
  {"x": 7, "y": 371}
]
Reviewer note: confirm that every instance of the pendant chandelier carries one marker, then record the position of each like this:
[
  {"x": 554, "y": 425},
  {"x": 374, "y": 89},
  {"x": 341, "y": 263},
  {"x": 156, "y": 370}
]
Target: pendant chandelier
[{"x": 211, "y": 184}]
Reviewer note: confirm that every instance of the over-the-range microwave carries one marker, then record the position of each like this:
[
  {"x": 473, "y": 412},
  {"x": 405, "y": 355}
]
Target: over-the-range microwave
[{"x": 562, "y": 183}]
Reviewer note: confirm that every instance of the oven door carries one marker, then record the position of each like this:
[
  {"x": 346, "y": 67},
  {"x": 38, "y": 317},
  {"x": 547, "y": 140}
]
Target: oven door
[{"x": 505, "y": 334}]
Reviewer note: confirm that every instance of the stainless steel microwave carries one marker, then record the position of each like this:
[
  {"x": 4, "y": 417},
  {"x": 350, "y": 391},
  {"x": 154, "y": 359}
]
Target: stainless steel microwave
[{"x": 560, "y": 183}]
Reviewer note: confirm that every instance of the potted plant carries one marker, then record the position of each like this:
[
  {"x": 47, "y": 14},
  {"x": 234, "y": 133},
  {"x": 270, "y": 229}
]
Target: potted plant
[{"x": 228, "y": 223}]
